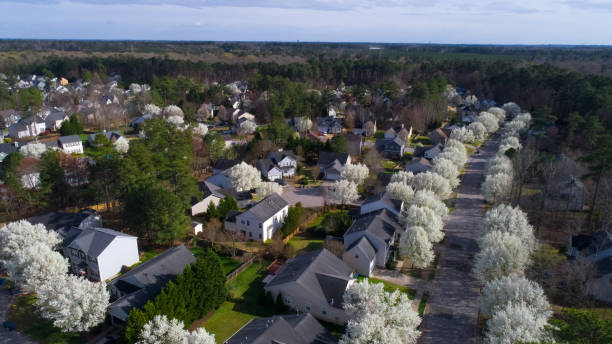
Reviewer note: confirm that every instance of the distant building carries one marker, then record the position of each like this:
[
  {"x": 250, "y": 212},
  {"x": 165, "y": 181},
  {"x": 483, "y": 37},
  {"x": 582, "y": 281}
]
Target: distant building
[{"x": 332, "y": 164}]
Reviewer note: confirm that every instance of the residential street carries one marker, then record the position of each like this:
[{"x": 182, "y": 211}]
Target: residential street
[
  {"x": 451, "y": 315},
  {"x": 7, "y": 337}
]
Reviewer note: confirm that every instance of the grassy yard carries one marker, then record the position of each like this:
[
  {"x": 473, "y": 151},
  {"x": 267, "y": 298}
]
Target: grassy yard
[
  {"x": 388, "y": 165},
  {"x": 305, "y": 242},
  {"x": 26, "y": 319},
  {"x": 390, "y": 287},
  {"x": 245, "y": 295}
]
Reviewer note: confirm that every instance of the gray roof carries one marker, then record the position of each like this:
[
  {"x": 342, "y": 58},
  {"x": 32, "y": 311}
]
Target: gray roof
[
  {"x": 7, "y": 148},
  {"x": 381, "y": 224},
  {"x": 93, "y": 241},
  {"x": 110, "y": 135},
  {"x": 265, "y": 165},
  {"x": 364, "y": 244},
  {"x": 277, "y": 157},
  {"x": 418, "y": 165},
  {"x": 65, "y": 224},
  {"x": 268, "y": 207},
  {"x": 325, "y": 158},
  {"x": 243, "y": 198},
  {"x": 146, "y": 281},
  {"x": 69, "y": 139},
  {"x": 386, "y": 199},
  {"x": 320, "y": 272},
  {"x": 55, "y": 116},
  {"x": 294, "y": 328}
]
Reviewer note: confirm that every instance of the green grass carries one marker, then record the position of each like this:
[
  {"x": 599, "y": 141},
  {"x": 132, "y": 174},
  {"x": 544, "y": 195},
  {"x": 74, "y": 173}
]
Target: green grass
[
  {"x": 422, "y": 304},
  {"x": 26, "y": 320},
  {"x": 388, "y": 165},
  {"x": 304, "y": 242},
  {"x": 390, "y": 287},
  {"x": 317, "y": 220},
  {"x": 245, "y": 293}
]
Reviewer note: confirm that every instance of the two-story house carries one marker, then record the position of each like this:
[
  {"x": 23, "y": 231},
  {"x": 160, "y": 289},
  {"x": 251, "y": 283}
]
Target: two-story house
[
  {"x": 332, "y": 164},
  {"x": 260, "y": 221},
  {"x": 70, "y": 144},
  {"x": 54, "y": 120},
  {"x": 278, "y": 165},
  {"x": 382, "y": 200},
  {"x": 391, "y": 148},
  {"x": 329, "y": 125},
  {"x": 214, "y": 194},
  {"x": 313, "y": 282}
]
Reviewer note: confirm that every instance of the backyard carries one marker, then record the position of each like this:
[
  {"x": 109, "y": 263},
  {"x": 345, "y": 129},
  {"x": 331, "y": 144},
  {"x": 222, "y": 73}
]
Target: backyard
[{"x": 390, "y": 287}]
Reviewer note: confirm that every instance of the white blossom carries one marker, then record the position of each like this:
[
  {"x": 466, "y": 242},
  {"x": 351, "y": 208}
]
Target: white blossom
[
  {"x": 402, "y": 177},
  {"x": 489, "y": 121},
  {"x": 428, "y": 199},
  {"x": 18, "y": 235},
  {"x": 200, "y": 336},
  {"x": 122, "y": 145},
  {"x": 244, "y": 177},
  {"x": 303, "y": 124},
  {"x": 470, "y": 100},
  {"x": 377, "y": 316},
  {"x": 161, "y": 330},
  {"x": 512, "y": 288},
  {"x": 177, "y": 120},
  {"x": 151, "y": 110},
  {"x": 433, "y": 182},
  {"x": 135, "y": 88},
  {"x": 501, "y": 254},
  {"x": 511, "y": 109},
  {"x": 479, "y": 130},
  {"x": 416, "y": 247},
  {"x": 400, "y": 191},
  {"x": 499, "y": 164},
  {"x": 462, "y": 134},
  {"x": 497, "y": 187},
  {"x": 426, "y": 218},
  {"x": 173, "y": 110},
  {"x": 265, "y": 189},
  {"x": 201, "y": 129},
  {"x": 73, "y": 303},
  {"x": 516, "y": 323},
  {"x": 344, "y": 191},
  {"x": 35, "y": 265},
  {"x": 505, "y": 218},
  {"x": 509, "y": 142},
  {"x": 514, "y": 128},
  {"x": 248, "y": 127},
  {"x": 524, "y": 117},
  {"x": 447, "y": 169},
  {"x": 33, "y": 149},
  {"x": 499, "y": 113},
  {"x": 356, "y": 173}
]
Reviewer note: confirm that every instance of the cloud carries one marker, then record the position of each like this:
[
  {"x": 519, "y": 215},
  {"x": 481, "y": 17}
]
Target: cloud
[{"x": 589, "y": 4}]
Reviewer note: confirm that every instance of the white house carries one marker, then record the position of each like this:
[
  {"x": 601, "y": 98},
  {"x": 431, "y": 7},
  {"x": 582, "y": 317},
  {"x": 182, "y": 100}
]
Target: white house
[
  {"x": 214, "y": 194},
  {"x": 196, "y": 227},
  {"x": 278, "y": 165},
  {"x": 100, "y": 253},
  {"x": 70, "y": 144},
  {"x": 331, "y": 164},
  {"x": 54, "y": 120},
  {"x": 260, "y": 221}
]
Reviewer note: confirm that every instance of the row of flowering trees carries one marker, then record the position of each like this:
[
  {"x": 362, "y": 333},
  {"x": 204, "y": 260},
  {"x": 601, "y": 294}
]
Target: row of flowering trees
[
  {"x": 516, "y": 308},
  {"x": 345, "y": 190},
  {"x": 28, "y": 253}
]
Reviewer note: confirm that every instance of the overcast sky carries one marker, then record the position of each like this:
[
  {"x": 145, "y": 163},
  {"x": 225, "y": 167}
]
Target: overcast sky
[{"x": 404, "y": 21}]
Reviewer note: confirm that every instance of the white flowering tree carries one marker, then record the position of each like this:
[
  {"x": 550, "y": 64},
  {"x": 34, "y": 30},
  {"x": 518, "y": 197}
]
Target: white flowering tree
[
  {"x": 524, "y": 117},
  {"x": 151, "y": 110},
  {"x": 516, "y": 323},
  {"x": 499, "y": 113},
  {"x": 377, "y": 316},
  {"x": 433, "y": 182},
  {"x": 470, "y": 100},
  {"x": 497, "y": 187},
  {"x": 447, "y": 169},
  {"x": 511, "y": 109},
  {"x": 160, "y": 329},
  {"x": 402, "y": 177},
  {"x": 244, "y": 177},
  {"x": 462, "y": 134},
  {"x": 176, "y": 120},
  {"x": 122, "y": 145},
  {"x": 248, "y": 127},
  {"x": 499, "y": 164},
  {"x": 201, "y": 129},
  {"x": 344, "y": 191},
  {"x": 18, "y": 235},
  {"x": 303, "y": 124},
  {"x": 514, "y": 128},
  {"x": 135, "y": 88},
  {"x": 505, "y": 218},
  {"x": 501, "y": 254},
  {"x": 428, "y": 199},
  {"x": 509, "y": 142},
  {"x": 489, "y": 121},
  {"x": 173, "y": 110},
  {"x": 479, "y": 130},
  {"x": 265, "y": 189},
  {"x": 400, "y": 191},
  {"x": 426, "y": 218},
  {"x": 33, "y": 149},
  {"x": 416, "y": 247},
  {"x": 356, "y": 173},
  {"x": 512, "y": 288},
  {"x": 35, "y": 265},
  {"x": 73, "y": 304}
]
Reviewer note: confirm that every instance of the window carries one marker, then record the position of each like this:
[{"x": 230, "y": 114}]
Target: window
[
  {"x": 242, "y": 221},
  {"x": 308, "y": 307},
  {"x": 323, "y": 310},
  {"x": 356, "y": 256},
  {"x": 287, "y": 300},
  {"x": 250, "y": 234},
  {"x": 259, "y": 236},
  {"x": 248, "y": 223}
]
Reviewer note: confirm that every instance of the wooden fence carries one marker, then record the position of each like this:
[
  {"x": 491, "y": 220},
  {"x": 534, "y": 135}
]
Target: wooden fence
[
  {"x": 301, "y": 227},
  {"x": 239, "y": 269}
]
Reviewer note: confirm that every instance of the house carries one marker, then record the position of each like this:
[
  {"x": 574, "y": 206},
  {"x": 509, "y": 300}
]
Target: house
[
  {"x": 381, "y": 200},
  {"x": 331, "y": 164},
  {"x": 244, "y": 124},
  {"x": 100, "y": 253},
  {"x": 70, "y": 144},
  {"x": 329, "y": 125},
  {"x": 196, "y": 227},
  {"x": 367, "y": 242},
  {"x": 38, "y": 126},
  {"x": 112, "y": 136},
  {"x": 143, "y": 283},
  {"x": 594, "y": 246},
  {"x": 223, "y": 164},
  {"x": 600, "y": 286},
  {"x": 269, "y": 170},
  {"x": 293, "y": 328},
  {"x": 418, "y": 165},
  {"x": 567, "y": 193},
  {"x": 391, "y": 148},
  {"x": 214, "y": 194},
  {"x": 433, "y": 152},
  {"x": 278, "y": 165},
  {"x": 438, "y": 136},
  {"x": 313, "y": 282},
  {"x": 220, "y": 179},
  {"x": 19, "y": 130},
  {"x": 6, "y": 149},
  {"x": 331, "y": 112},
  {"x": 68, "y": 225},
  {"x": 260, "y": 221},
  {"x": 54, "y": 120}
]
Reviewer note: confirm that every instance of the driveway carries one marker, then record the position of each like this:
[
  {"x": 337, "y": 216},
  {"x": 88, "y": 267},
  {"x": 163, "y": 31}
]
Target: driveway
[
  {"x": 310, "y": 197},
  {"x": 452, "y": 313},
  {"x": 6, "y": 337}
]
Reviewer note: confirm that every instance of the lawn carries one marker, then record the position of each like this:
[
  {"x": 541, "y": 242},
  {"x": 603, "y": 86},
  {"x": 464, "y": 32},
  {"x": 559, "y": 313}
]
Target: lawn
[
  {"x": 305, "y": 242},
  {"x": 390, "y": 287},
  {"x": 228, "y": 264},
  {"x": 317, "y": 220},
  {"x": 26, "y": 319},
  {"x": 388, "y": 165},
  {"x": 245, "y": 293}
]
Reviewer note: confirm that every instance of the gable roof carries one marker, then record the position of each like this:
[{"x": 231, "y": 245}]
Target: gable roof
[
  {"x": 268, "y": 206},
  {"x": 325, "y": 158},
  {"x": 146, "y": 281},
  {"x": 7, "y": 148},
  {"x": 93, "y": 241},
  {"x": 265, "y": 165},
  {"x": 209, "y": 188},
  {"x": 65, "y": 224},
  {"x": 418, "y": 165},
  {"x": 385, "y": 198},
  {"x": 381, "y": 224},
  {"x": 69, "y": 139},
  {"x": 321, "y": 272},
  {"x": 278, "y": 156},
  {"x": 365, "y": 245},
  {"x": 295, "y": 328}
]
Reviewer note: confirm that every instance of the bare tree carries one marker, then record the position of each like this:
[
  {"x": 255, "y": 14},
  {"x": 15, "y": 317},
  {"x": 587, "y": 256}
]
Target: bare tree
[
  {"x": 212, "y": 231},
  {"x": 334, "y": 246},
  {"x": 523, "y": 164}
]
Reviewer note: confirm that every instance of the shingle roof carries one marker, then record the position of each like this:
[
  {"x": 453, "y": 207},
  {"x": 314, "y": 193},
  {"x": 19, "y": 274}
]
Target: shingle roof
[
  {"x": 265, "y": 165},
  {"x": 7, "y": 148},
  {"x": 277, "y": 157},
  {"x": 385, "y": 198},
  {"x": 145, "y": 281},
  {"x": 294, "y": 329},
  {"x": 325, "y": 158},
  {"x": 382, "y": 224},
  {"x": 319, "y": 271},
  {"x": 69, "y": 139},
  {"x": 418, "y": 165},
  {"x": 93, "y": 241},
  {"x": 65, "y": 224},
  {"x": 364, "y": 244},
  {"x": 268, "y": 207}
]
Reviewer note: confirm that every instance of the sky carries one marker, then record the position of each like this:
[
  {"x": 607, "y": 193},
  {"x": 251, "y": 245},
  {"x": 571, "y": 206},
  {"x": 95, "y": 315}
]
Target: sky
[{"x": 397, "y": 21}]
